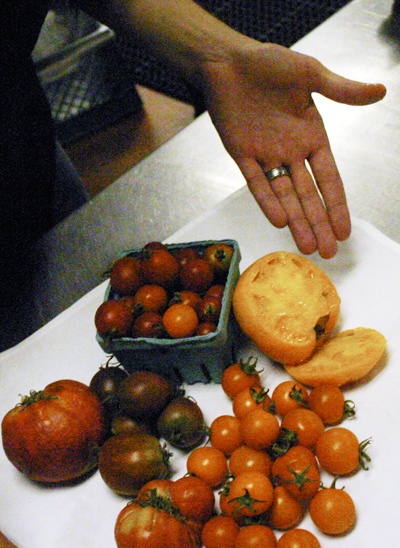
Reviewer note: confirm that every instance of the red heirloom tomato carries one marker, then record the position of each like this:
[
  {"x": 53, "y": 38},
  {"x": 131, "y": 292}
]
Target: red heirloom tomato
[
  {"x": 53, "y": 435},
  {"x": 159, "y": 487},
  {"x": 125, "y": 275},
  {"x": 128, "y": 461},
  {"x": 197, "y": 275},
  {"x": 150, "y": 527}
]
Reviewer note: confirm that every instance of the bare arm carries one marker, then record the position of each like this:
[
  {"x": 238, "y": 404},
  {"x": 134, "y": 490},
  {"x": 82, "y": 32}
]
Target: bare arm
[{"x": 259, "y": 97}]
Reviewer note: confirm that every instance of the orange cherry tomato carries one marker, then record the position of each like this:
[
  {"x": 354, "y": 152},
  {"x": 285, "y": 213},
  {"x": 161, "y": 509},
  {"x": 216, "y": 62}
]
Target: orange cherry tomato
[
  {"x": 285, "y": 511},
  {"x": 307, "y": 425},
  {"x": 248, "y": 399},
  {"x": 250, "y": 494},
  {"x": 225, "y": 434},
  {"x": 289, "y": 395},
  {"x": 298, "y": 538},
  {"x": 247, "y": 459},
  {"x": 185, "y": 297},
  {"x": 329, "y": 403},
  {"x": 333, "y": 511},
  {"x": 298, "y": 472},
  {"x": 239, "y": 376},
  {"x": 209, "y": 464},
  {"x": 259, "y": 428},
  {"x": 251, "y": 536},
  {"x": 180, "y": 321},
  {"x": 220, "y": 532},
  {"x": 339, "y": 452},
  {"x": 193, "y": 497}
]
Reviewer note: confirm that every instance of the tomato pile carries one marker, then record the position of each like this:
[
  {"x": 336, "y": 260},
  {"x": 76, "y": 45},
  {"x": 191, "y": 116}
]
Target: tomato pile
[
  {"x": 259, "y": 473},
  {"x": 165, "y": 293},
  {"x": 250, "y": 474},
  {"x": 143, "y": 407}
]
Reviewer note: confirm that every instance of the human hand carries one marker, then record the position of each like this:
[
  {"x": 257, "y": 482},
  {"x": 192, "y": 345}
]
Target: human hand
[{"x": 260, "y": 102}]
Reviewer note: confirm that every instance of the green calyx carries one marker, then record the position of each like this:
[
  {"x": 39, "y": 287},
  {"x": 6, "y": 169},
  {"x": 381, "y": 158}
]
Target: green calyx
[{"x": 34, "y": 397}]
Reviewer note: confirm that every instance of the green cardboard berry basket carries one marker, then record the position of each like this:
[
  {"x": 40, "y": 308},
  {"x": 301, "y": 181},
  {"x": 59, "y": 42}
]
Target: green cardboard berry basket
[{"x": 190, "y": 360}]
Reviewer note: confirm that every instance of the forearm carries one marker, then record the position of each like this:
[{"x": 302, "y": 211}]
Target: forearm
[{"x": 180, "y": 31}]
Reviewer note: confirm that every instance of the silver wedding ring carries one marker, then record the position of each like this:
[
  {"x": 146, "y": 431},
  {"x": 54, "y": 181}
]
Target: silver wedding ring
[{"x": 277, "y": 172}]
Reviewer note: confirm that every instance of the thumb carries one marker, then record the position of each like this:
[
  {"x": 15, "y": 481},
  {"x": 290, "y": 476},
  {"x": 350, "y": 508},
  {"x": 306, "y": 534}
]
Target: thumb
[{"x": 350, "y": 92}]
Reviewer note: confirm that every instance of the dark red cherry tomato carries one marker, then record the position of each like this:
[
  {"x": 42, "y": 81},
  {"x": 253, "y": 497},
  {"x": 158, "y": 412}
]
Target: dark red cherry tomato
[
  {"x": 219, "y": 255},
  {"x": 209, "y": 309},
  {"x": 204, "y": 328},
  {"x": 148, "y": 325},
  {"x": 197, "y": 275},
  {"x": 185, "y": 254},
  {"x": 160, "y": 268},
  {"x": 125, "y": 275},
  {"x": 113, "y": 319}
]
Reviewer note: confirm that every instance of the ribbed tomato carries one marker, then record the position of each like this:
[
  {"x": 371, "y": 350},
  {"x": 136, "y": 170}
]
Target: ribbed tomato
[
  {"x": 54, "y": 435},
  {"x": 149, "y": 527}
]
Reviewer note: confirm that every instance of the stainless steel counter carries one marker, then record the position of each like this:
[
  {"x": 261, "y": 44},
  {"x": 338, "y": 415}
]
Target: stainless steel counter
[{"x": 192, "y": 172}]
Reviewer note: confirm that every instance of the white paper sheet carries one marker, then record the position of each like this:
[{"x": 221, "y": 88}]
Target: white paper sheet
[{"x": 366, "y": 274}]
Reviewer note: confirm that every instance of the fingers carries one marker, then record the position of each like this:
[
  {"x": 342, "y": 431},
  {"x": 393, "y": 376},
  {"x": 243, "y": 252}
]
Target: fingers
[
  {"x": 331, "y": 187},
  {"x": 350, "y": 92},
  {"x": 307, "y": 218},
  {"x": 263, "y": 193},
  {"x": 294, "y": 201}
]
